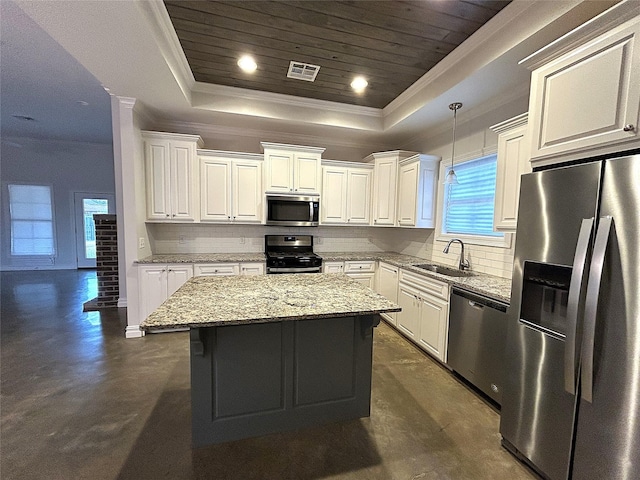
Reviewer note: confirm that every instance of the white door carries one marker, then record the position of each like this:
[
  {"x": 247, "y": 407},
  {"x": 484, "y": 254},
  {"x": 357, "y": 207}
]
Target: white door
[
  {"x": 407, "y": 190},
  {"x": 359, "y": 196},
  {"x": 215, "y": 194},
  {"x": 384, "y": 191},
  {"x": 306, "y": 173},
  {"x": 388, "y": 287},
  {"x": 247, "y": 192},
  {"x": 183, "y": 190},
  {"x": 433, "y": 325},
  {"x": 334, "y": 195},
  {"x": 177, "y": 275},
  {"x": 152, "y": 287},
  {"x": 279, "y": 172},
  {"x": 85, "y": 206},
  {"x": 409, "y": 317}
]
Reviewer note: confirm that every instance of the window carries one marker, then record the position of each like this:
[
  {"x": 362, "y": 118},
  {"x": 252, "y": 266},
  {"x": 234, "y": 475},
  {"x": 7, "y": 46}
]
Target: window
[
  {"x": 31, "y": 220},
  {"x": 468, "y": 207}
]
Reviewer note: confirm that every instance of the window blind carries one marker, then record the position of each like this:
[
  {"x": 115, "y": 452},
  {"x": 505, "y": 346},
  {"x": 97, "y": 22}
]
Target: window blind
[
  {"x": 469, "y": 205},
  {"x": 31, "y": 220}
]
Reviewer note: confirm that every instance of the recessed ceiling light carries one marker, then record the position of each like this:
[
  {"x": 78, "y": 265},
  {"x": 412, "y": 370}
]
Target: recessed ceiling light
[
  {"x": 26, "y": 118},
  {"x": 359, "y": 84},
  {"x": 247, "y": 64}
]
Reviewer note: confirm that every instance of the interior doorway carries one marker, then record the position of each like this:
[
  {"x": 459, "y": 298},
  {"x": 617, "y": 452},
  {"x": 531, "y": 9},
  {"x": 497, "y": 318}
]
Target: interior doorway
[{"x": 85, "y": 206}]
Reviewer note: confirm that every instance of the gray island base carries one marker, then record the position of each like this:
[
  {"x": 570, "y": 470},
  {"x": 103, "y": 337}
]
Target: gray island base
[
  {"x": 276, "y": 352},
  {"x": 250, "y": 380}
]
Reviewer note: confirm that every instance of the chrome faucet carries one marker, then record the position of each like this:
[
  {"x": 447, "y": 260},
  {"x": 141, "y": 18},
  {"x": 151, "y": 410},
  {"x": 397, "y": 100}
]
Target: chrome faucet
[{"x": 463, "y": 263}]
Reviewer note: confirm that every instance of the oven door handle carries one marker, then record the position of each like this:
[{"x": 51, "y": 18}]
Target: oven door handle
[{"x": 293, "y": 270}]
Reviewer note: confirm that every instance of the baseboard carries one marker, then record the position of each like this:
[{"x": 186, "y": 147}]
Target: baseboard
[
  {"x": 122, "y": 302},
  {"x": 133, "y": 331}
]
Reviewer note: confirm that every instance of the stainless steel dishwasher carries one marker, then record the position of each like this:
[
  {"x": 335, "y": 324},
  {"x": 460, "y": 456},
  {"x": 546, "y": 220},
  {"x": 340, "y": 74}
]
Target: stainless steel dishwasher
[{"x": 477, "y": 336}]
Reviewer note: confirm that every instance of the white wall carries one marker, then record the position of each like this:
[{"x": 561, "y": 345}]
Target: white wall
[{"x": 67, "y": 167}]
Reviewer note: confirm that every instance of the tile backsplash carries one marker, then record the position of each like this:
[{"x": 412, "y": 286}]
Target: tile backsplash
[{"x": 203, "y": 238}]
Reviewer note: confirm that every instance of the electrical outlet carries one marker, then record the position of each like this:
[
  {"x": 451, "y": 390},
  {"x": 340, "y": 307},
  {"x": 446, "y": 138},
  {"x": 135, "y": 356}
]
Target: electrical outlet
[
  {"x": 182, "y": 239},
  {"x": 318, "y": 240},
  {"x": 141, "y": 242},
  {"x": 242, "y": 240}
]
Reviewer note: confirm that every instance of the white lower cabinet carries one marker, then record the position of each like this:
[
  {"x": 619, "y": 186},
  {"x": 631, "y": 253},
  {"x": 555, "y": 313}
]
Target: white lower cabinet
[
  {"x": 387, "y": 286},
  {"x": 252, "y": 268},
  {"x": 228, "y": 269},
  {"x": 332, "y": 267},
  {"x": 157, "y": 282},
  {"x": 216, "y": 269},
  {"x": 425, "y": 312},
  {"x": 363, "y": 271}
]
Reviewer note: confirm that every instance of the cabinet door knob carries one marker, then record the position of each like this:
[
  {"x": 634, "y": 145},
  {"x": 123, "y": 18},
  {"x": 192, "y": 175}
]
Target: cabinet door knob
[
  {"x": 167, "y": 215},
  {"x": 629, "y": 128}
]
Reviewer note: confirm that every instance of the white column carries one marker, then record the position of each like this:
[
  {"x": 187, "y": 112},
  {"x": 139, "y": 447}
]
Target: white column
[{"x": 125, "y": 139}]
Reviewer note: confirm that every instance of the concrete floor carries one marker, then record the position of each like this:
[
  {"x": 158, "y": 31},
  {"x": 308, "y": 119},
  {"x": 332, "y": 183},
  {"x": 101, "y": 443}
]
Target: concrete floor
[{"x": 81, "y": 401}]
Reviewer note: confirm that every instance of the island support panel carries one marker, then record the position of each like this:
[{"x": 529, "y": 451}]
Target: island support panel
[{"x": 256, "y": 379}]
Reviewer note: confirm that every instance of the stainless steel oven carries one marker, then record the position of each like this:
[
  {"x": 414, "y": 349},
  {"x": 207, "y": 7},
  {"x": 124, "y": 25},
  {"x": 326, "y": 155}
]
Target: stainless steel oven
[
  {"x": 293, "y": 210},
  {"x": 291, "y": 254}
]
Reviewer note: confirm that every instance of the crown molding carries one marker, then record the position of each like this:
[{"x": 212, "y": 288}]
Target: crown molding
[
  {"x": 170, "y": 48},
  {"x": 514, "y": 122},
  {"x": 207, "y": 129},
  {"x": 614, "y": 17}
]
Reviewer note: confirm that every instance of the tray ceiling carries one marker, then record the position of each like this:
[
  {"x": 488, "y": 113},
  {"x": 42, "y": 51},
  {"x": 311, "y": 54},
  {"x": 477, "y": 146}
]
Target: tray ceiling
[{"x": 391, "y": 43}]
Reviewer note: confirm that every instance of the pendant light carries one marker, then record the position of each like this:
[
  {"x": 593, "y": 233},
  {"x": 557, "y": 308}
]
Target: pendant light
[{"x": 451, "y": 178}]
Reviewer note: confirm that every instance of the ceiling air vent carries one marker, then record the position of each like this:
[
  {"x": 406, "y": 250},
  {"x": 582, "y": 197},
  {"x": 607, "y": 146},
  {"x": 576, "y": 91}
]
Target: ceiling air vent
[{"x": 303, "y": 71}]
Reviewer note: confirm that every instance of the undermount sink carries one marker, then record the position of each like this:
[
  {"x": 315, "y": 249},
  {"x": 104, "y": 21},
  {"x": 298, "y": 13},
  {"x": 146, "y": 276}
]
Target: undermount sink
[{"x": 451, "y": 272}]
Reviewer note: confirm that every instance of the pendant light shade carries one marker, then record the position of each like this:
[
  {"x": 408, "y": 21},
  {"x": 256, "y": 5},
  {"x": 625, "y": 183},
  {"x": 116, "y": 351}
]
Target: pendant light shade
[{"x": 451, "y": 178}]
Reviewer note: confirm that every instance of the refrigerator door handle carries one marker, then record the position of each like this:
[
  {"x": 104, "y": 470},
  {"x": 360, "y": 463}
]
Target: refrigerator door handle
[
  {"x": 591, "y": 307},
  {"x": 575, "y": 289}
]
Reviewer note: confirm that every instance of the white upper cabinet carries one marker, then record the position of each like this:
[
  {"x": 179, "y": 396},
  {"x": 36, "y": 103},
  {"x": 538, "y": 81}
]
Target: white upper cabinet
[
  {"x": 346, "y": 193},
  {"x": 585, "y": 89},
  {"x": 291, "y": 168},
  {"x": 417, "y": 191},
  {"x": 385, "y": 184},
  {"x": 513, "y": 161},
  {"x": 230, "y": 187},
  {"x": 171, "y": 176},
  {"x": 334, "y": 195}
]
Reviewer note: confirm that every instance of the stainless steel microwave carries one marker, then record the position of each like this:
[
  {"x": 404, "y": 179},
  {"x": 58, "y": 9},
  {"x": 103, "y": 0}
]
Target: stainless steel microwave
[{"x": 293, "y": 210}]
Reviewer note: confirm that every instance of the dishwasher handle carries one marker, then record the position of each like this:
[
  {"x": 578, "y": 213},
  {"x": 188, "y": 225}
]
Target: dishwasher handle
[{"x": 479, "y": 301}]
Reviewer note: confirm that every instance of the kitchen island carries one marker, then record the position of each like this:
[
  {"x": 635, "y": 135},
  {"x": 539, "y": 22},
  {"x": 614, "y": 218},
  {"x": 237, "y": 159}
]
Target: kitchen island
[{"x": 274, "y": 352}]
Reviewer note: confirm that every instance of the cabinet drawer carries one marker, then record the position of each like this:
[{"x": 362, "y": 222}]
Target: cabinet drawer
[
  {"x": 427, "y": 284},
  {"x": 252, "y": 269},
  {"x": 212, "y": 269},
  {"x": 368, "y": 266}
]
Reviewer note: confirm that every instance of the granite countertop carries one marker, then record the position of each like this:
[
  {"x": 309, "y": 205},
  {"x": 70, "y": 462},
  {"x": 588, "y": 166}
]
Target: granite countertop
[
  {"x": 495, "y": 287},
  {"x": 204, "y": 258},
  {"x": 237, "y": 300},
  {"x": 489, "y": 285}
]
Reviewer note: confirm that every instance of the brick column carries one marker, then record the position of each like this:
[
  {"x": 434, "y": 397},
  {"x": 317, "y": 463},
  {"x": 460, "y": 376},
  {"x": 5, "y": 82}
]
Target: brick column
[{"x": 107, "y": 260}]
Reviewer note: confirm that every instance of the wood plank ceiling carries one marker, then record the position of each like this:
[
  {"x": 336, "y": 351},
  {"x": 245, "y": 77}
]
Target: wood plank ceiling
[{"x": 391, "y": 43}]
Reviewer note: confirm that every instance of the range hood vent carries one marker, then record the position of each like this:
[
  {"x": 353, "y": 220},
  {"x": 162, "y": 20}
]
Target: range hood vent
[{"x": 303, "y": 71}]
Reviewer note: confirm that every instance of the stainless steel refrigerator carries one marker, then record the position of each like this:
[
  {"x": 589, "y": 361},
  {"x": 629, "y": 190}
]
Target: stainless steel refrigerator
[{"x": 571, "y": 398}]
